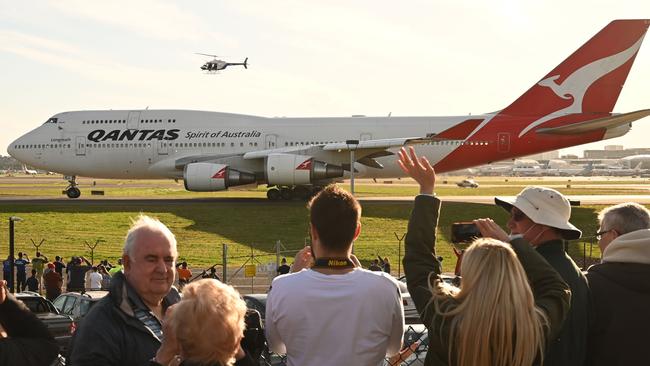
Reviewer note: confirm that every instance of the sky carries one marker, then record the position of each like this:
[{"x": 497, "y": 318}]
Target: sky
[{"x": 306, "y": 58}]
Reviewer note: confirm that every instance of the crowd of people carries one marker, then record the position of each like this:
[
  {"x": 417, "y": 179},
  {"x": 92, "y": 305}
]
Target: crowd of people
[
  {"x": 48, "y": 277},
  {"x": 521, "y": 300}
]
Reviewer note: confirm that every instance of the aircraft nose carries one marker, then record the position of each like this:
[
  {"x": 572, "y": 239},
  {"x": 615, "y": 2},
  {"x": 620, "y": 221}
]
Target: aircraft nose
[{"x": 11, "y": 149}]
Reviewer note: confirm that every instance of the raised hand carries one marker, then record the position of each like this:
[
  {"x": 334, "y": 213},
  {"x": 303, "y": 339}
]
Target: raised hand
[
  {"x": 303, "y": 259},
  {"x": 418, "y": 169},
  {"x": 490, "y": 229}
]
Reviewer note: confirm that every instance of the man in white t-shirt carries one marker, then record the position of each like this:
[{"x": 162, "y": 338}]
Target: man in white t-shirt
[
  {"x": 95, "y": 279},
  {"x": 330, "y": 311}
]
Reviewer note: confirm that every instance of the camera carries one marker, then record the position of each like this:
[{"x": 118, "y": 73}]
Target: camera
[{"x": 463, "y": 234}]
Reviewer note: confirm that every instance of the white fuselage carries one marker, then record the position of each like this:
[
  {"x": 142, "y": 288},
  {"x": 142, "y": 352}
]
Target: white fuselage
[{"x": 147, "y": 143}]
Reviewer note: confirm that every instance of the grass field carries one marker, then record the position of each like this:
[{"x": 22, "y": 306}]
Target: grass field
[
  {"x": 52, "y": 186},
  {"x": 202, "y": 227}
]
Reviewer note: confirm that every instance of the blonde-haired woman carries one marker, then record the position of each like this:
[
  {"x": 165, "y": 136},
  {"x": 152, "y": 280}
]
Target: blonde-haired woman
[
  {"x": 493, "y": 319},
  {"x": 205, "y": 328}
]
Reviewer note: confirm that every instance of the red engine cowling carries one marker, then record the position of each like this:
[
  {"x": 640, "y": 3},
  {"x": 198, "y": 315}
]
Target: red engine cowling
[
  {"x": 289, "y": 169},
  {"x": 208, "y": 177}
]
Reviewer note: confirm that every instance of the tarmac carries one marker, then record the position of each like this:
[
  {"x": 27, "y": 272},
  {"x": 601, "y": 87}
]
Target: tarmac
[{"x": 582, "y": 199}]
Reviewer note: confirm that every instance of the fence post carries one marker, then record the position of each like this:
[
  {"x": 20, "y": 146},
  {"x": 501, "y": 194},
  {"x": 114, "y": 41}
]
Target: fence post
[
  {"x": 92, "y": 249},
  {"x": 278, "y": 244},
  {"x": 224, "y": 252},
  {"x": 253, "y": 263},
  {"x": 399, "y": 253}
]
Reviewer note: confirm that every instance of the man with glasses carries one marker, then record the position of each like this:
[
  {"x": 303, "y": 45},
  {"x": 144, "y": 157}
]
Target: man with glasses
[
  {"x": 620, "y": 286},
  {"x": 541, "y": 216},
  {"x": 125, "y": 327}
]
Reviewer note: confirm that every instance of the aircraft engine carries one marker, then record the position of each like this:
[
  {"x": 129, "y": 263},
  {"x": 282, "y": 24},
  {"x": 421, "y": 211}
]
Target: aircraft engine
[
  {"x": 289, "y": 169},
  {"x": 207, "y": 177}
]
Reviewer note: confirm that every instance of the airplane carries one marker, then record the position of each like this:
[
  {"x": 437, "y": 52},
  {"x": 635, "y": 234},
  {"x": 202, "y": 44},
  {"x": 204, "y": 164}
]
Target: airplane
[
  {"x": 527, "y": 168},
  {"x": 212, "y": 151},
  {"x": 29, "y": 171},
  {"x": 561, "y": 168},
  {"x": 215, "y": 65}
]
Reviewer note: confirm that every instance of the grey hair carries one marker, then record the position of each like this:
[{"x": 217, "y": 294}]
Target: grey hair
[
  {"x": 144, "y": 222},
  {"x": 624, "y": 218}
]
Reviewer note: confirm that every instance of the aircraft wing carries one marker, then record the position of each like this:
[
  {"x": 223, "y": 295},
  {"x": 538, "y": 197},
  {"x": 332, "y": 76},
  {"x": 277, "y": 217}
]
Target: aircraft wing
[
  {"x": 180, "y": 163},
  {"x": 596, "y": 124},
  {"x": 381, "y": 144},
  {"x": 364, "y": 148}
]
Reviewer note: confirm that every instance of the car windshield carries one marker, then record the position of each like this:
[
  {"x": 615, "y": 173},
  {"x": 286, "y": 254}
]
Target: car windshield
[{"x": 35, "y": 304}]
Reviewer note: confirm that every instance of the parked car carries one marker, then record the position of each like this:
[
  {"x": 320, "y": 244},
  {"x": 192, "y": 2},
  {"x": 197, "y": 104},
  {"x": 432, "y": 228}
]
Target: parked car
[
  {"x": 256, "y": 302},
  {"x": 411, "y": 315},
  {"x": 467, "y": 183},
  {"x": 61, "y": 326},
  {"x": 76, "y": 305}
]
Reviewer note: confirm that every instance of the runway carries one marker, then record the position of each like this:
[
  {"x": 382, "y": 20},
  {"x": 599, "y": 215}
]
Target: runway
[
  {"x": 114, "y": 201},
  {"x": 583, "y": 199}
]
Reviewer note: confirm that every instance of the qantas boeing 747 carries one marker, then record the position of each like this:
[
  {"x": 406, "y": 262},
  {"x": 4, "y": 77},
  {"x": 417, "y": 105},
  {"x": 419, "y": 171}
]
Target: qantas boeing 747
[{"x": 211, "y": 151}]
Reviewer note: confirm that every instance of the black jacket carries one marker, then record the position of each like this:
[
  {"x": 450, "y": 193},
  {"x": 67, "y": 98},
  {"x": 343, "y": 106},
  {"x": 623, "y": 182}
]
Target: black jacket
[
  {"x": 111, "y": 335},
  {"x": 29, "y": 343},
  {"x": 570, "y": 348},
  {"x": 620, "y": 329}
]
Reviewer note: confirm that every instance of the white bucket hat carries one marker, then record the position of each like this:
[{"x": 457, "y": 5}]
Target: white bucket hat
[{"x": 543, "y": 206}]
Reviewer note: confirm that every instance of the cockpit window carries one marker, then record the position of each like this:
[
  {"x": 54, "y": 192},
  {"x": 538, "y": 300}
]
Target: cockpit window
[{"x": 51, "y": 120}]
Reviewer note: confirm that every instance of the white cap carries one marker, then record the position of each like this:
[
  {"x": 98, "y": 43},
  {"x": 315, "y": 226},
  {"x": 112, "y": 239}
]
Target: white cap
[{"x": 544, "y": 206}]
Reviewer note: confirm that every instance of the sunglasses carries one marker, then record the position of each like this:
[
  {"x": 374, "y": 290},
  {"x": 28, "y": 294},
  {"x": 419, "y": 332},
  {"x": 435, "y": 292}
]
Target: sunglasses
[
  {"x": 600, "y": 234},
  {"x": 517, "y": 215}
]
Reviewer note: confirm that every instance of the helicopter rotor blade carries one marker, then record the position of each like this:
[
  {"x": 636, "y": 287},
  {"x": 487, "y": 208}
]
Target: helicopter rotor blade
[{"x": 205, "y": 54}]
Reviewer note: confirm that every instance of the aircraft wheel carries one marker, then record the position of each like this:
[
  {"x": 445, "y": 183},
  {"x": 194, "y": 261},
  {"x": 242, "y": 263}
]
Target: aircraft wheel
[
  {"x": 73, "y": 192},
  {"x": 273, "y": 194},
  {"x": 286, "y": 193},
  {"x": 302, "y": 192}
]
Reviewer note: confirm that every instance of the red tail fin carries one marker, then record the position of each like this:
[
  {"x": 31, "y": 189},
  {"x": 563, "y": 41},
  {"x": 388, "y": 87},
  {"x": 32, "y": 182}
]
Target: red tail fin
[{"x": 590, "y": 80}]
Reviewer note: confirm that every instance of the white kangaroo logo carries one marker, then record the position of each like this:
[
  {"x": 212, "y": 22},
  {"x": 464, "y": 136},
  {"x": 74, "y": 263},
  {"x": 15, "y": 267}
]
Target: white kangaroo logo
[{"x": 575, "y": 86}]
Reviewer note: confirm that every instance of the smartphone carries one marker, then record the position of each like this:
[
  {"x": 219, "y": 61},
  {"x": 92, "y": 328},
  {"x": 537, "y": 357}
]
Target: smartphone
[{"x": 464, "y": 233}]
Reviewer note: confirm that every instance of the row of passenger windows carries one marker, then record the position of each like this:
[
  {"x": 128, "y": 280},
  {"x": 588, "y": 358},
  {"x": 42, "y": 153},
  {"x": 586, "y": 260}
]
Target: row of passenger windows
[
  {"x": 448, "y": 142},
  {"x": 42, "y": 146},
  {"x": 123, "y": 121},
  {"x": 305, "y": 143},
  {"x": 458, "y": 142},
  {"x": 167, "y": 144}
]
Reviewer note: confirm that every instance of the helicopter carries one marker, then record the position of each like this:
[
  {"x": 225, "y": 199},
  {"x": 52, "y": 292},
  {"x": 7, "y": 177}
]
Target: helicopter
[{"x": 216, "y": 65}]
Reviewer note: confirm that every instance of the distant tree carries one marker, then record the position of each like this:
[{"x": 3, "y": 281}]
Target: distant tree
[{"x": 7, "y": 162}]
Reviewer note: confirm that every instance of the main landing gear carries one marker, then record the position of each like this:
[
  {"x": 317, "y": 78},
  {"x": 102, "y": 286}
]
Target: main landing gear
[
  {"x": 285, "y": 193},
  {"x": 72, "y": 191}
]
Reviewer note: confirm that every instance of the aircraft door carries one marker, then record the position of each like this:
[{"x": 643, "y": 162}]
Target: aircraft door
[
  {"x": 163, "y": 147},
  {"x": 134, "y": 120},
  {"x": 270, "y": 141},
  {"x": 365, "y": 136},
  {"x": 503, "y": 142},
  {"x": 80, "y": 146}
]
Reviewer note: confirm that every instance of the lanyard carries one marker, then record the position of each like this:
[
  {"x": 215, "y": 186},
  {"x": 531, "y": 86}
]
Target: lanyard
[{"x": 336, "y": 263}]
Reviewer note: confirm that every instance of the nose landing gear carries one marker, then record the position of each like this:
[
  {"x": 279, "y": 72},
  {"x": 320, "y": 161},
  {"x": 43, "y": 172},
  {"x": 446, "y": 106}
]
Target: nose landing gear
[{"x": 72, "y": 191}]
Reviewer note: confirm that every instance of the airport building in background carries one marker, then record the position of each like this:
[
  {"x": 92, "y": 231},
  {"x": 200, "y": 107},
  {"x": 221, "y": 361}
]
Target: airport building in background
[{"x": 615, "y": 152}]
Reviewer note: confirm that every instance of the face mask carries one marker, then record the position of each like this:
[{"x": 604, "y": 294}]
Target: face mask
[
  {"x": 534, "y": 241},
  {"x": 514, "y": 236}
]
